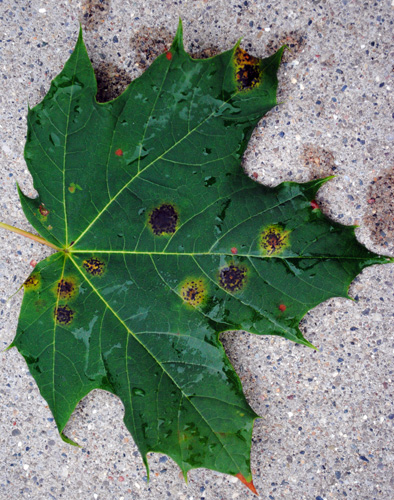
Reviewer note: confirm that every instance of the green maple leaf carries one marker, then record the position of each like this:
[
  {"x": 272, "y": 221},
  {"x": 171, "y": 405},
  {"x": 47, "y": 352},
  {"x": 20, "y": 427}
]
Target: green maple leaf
[{"x": 163, "y": 242}]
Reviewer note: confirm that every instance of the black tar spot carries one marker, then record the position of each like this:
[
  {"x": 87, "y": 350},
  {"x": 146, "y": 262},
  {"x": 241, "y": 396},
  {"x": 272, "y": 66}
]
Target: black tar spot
[
  {"x": 163, "y": 219},
  {"x": 64, "y": 315},
  {"x": 193, "y": 292},
  {"x": 94, "y": 266},
  {"x": 248, "y": 76},
  {"x": 32, "y": 282},
  {"x": 65, "y": 288},
  {"x": 248, "y": 70},
  {"x": 274, "y": 239},
  {"x": 233, "y": 278}
]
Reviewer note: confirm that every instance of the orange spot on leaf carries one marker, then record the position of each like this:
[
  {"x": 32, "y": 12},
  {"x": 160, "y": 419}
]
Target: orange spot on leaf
[
  {"x": 234, "y": 250},
  {"x": 169, "y": 56},
  {"x": 72, "y": 187},
  {"x": 282, "y": 307},
  {"x": 119, "y": 152},
  {"x": 248, "y": 484}
]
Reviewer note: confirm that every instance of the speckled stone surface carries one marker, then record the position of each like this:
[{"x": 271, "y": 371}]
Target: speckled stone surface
[{"x": 327, "y": 431}]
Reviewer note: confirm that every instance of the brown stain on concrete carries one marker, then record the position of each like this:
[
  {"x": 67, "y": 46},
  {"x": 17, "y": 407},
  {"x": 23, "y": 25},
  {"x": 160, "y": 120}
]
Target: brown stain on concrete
[
  {"x": 379, "y": 216},
  {"x": 94, "y": 12},
  {"x": 111, "y": 81},
  {"x": 295, "y": 41},
  {"x": 319, "y": 161},
  {"x": 149, "y": 43}
]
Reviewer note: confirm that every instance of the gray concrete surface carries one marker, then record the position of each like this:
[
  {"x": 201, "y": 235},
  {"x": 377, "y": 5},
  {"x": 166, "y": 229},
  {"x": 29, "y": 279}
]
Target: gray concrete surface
[{"x": 328, "y": 426}]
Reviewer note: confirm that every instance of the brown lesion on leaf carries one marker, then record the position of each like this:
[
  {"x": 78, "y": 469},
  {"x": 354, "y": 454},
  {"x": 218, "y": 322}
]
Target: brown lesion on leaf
[
  {"x": 247, "y": 70},
  {"x": 274, "y": 239},
  {"x": 43, "y": 210},
  {"x": 379, "y": 217},
  {"x": 33, "y": 282},
  {"x": 233, "y": 277},
  {"x": 163, "y": 219},
  {"x": 94, "y": 266},
  {"x": 193, "y": 291},
  {"x": 63, "y": 315},
  {"x": 40, "y": 304},
  {"x": 66, "y": 288}
]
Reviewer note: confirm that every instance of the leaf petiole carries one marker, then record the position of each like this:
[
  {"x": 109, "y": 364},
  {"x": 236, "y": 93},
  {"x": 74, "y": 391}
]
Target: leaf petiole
[{"x": 29, "y": 235}]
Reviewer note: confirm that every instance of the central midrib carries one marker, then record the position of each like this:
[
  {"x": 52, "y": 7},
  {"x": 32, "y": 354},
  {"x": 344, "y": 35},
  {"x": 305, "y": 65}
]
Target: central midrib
[{"x": 219, "y": 254}]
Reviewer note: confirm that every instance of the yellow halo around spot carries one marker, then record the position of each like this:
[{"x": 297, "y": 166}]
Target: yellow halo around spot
[
  {"x": 274, "y": 239},
  {"x": 193, "y": 291}
]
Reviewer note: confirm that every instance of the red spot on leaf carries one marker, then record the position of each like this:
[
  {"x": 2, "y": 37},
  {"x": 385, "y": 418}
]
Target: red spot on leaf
[
  {"x": 282, "y": 307},
  {"x": 234, "y": 250},
  {"x": 119, "y": 152},
  {"x": 248, "y": 484},
  {"x": 169, "y": 56},
  {"x": 33, "y": 263},
  {"x": 43, "y": 211},
  {"x": 255, "y": 175},
  {"x": 314, "y": 205}
]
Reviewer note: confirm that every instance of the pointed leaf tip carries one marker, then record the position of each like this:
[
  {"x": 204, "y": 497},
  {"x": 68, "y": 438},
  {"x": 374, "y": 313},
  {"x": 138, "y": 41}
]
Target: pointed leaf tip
[
  {"x": 248, "y": 484},
  {"x": 177, "y": 43}
]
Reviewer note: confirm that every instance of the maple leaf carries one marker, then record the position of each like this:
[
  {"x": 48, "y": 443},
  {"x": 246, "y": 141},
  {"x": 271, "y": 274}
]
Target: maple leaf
[{"x": 162, "y": 243}]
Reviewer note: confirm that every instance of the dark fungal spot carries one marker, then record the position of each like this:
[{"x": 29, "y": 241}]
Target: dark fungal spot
[
  {"x": 163, "y": 220},
  {"x": 63, "y": 315},
  {"x": 247, "y": 70},
  {"x": 94, "y": 266},
  {"x": 43, "y": 210},
  {"x": 193, "y": 292},
  {"x": 66, "y": 288},
  {"x": 232, "y": 278},
  {"x": 274, "y": 239},
  {"x": 32, "y": 282}
]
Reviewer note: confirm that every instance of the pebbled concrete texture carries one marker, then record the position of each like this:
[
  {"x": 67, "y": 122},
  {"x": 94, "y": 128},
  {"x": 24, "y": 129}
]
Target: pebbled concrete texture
[{"x": 328, "y": 415}]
